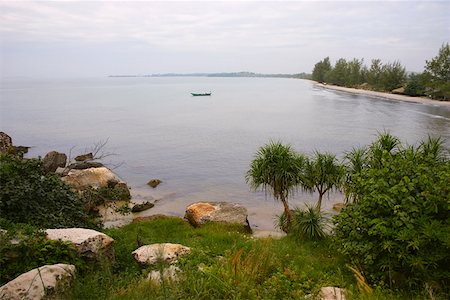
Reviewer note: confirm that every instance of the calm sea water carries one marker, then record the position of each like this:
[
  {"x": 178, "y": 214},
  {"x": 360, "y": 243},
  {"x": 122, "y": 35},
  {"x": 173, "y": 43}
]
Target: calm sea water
[{"x": 201, "y": 147}]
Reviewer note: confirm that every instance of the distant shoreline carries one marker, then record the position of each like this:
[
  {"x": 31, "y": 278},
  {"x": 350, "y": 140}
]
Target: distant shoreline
[{"x": 387, "y": 96}]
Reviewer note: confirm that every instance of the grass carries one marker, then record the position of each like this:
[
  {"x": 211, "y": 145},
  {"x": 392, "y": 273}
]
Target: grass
[{"x": 225, "y": 263}]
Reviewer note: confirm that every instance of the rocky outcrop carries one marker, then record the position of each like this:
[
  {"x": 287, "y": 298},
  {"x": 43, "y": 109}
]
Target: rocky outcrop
[
  {"x": 89, "y": 243},
  {"x": 223, "y": 212},
  {"x": 154, "y": 182},
  {"x": 152, "y": 254},
  {"x": 92, "y": 177},
  {"x": 46, "y": 282},
  {"x": 142, "y": 206},
  {"x": 332, "y": 293},
  {"x": 54, "y": 160},
  {"x": 5, "y": 142},
  {"x": 84, "y": 157},
  {"x": 84, "y": 165},
  {"x": 168, "y": 274}
]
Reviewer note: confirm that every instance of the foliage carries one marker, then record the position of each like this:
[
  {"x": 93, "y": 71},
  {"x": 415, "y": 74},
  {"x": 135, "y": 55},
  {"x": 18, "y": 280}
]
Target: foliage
[
  {"x": 28, "y": 195},
  {"x": 321, "y": 69},
  {"x": 24, "y": 247},
  {"x": 397, "y": 232},
  {"x": 322, "y": 173},
  {"x": 308, "y": 223},
  {"x": 276, "y": 168},
  {"x": 416, "y": 85},
  {"x": 438, "y": 69},
  {"x": 224, "y": 264}
]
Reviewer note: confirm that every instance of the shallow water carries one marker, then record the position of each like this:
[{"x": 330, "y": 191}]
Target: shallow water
[{"x": 201, "y": 147}]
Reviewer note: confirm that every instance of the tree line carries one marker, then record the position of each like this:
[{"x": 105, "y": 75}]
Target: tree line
[{"x": 433, "y": 82}]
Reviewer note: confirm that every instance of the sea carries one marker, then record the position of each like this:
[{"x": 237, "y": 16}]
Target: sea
[{"x": 201, "y": 147}]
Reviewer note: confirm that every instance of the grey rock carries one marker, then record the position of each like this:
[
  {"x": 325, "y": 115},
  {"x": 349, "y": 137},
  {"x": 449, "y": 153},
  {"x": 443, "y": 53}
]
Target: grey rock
[
  {"x": 151, "y": 254},
  {"x": 5, "y": 142},
  {"x": 154, "y": 183},
  {"x": 84, "y": 157},
  {"x": 142, "y": 207},
  {"x": 54, "y": 160}
]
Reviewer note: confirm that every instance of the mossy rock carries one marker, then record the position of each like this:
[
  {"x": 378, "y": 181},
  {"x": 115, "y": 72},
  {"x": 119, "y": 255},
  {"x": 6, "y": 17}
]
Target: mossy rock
[
  {"x": 142, "y": 207},
  {"x": 154, "y": 183}
]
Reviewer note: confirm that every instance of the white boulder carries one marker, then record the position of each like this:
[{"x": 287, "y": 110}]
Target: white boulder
[
  {"x": 46, "y": 282},
  {"x": 88, "y": 242},
  {"x": 166, "y": 252}
]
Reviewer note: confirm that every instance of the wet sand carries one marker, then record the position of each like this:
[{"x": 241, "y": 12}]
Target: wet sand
[{"x": 387, "y": 96}]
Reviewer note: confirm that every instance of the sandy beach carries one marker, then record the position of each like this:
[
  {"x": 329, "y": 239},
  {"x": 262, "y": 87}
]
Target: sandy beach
[{"x": 387, "y": 96}]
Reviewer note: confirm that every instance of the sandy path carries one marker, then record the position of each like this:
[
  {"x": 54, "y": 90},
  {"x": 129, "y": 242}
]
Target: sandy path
[{"x": 387, "y": 96}]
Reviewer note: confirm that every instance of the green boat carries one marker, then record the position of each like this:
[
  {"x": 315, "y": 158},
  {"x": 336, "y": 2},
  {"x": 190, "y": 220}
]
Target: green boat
[{"x": 201, "y": 94}]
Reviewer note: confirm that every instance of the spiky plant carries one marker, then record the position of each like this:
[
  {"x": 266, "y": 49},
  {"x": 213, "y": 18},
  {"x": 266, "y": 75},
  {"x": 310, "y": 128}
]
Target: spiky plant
[{"x": 276, "y": 168}]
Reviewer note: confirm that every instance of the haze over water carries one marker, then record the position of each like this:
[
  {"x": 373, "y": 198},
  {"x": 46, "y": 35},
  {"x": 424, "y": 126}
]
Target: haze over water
[{"x": 201, "y": 147}]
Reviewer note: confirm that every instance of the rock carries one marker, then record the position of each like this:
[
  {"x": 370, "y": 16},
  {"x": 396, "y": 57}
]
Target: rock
[
  {"x": 142, "y": 207},
  {"x": 84, "y": 157},
  {"x": 168, "y": 274},
  {"x": 54, "y": 160},
  {"x": 151, "y": 254},
  {"x": 223, "y": 212},
  {"x": 46, "y": 282},
  {"x": 85, "y": 165},
  {"x": 89, "y": 243},
  {"x": 332, "y": 293},
  {"x": 338, "y": 206},
  {"x": 62, "y": 171},
  {"x": 5, "y": 142},
  {"x": 400, "y": 91},
  {"x": 92, "y": 177},
  {"x": 154, "y": 182}
]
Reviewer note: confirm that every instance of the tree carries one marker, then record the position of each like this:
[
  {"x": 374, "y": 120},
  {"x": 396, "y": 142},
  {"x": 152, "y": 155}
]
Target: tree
[
  {"x": 276, "y": 168},
  {"x": 322, "y": 173},
  {"x": 398, "y": 231},
  {"x": 439, "y": 70},
  {"x": 321, "y": 69},
  {"x": 372, "y": 76},
  {"x": 416, "y": 85},
  {"x": 338, "y": 75},
  {"x": 392, "y": 76}
]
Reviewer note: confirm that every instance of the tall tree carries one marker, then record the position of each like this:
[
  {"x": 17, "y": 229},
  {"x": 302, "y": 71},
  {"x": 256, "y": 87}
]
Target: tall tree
[
  {"x": 321, "y": 69},
  {"x": 276, "y": 168},
  {"x": 439, "y": 70}
]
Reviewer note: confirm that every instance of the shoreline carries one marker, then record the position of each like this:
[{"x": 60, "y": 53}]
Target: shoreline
[{"x": 385, "y": 96}]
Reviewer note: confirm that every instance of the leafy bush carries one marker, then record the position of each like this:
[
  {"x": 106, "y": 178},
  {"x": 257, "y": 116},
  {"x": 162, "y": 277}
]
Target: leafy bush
[
  {"x": 24, "y": 247},
  {"x": 398, "y": 230},
  {"x": 30, "y": 196}
]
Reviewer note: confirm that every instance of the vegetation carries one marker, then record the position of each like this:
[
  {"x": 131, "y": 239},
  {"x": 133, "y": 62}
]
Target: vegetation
[
  {"x": 225, "y": 263},
  {"x": 276, "y": 168},
  {"x": 28, "y": 195},
  {"x": 322, "y": 173},
  {"x": 434, "y": 82},
  {"x": 24, "y": 247},
  {"x": 397, "y": 230}
]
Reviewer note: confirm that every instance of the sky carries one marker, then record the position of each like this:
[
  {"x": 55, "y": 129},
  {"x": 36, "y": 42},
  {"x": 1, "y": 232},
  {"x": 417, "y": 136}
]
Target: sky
[{"x": 80, "y": 38}]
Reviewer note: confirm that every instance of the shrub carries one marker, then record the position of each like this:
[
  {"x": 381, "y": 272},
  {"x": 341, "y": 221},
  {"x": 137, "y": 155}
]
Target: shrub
[
  {"x": 30, "y": 196},
  {"x": 398, "y": 231},
  {"x": 308, "y": 223},
  {"x": 24, "y": 247}
]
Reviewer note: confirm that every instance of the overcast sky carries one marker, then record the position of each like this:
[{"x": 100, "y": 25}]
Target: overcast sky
[{"x": 102, "y": 38}]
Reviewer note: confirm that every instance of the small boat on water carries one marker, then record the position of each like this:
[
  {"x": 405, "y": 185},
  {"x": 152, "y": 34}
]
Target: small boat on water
[{"x": 201, "y": 94}]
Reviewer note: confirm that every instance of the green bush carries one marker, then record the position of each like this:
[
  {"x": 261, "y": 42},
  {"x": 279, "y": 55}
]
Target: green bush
[
  {"x": 30, "y": 196},
  {"x": 24, "y": 247},
  {"x": 398, "y": 230},
  {"x": 308, "y": 223}
]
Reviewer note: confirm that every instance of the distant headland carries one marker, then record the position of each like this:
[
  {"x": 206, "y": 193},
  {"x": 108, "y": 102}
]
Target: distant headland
[{"x": 223, "y": 74}]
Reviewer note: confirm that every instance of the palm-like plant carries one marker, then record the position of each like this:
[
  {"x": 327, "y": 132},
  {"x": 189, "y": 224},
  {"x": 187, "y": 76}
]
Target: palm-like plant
[
  {"x": 322, "y": 173},
  {"x": 276, "y": 168},
  {"x": 309, "y": 223}
]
